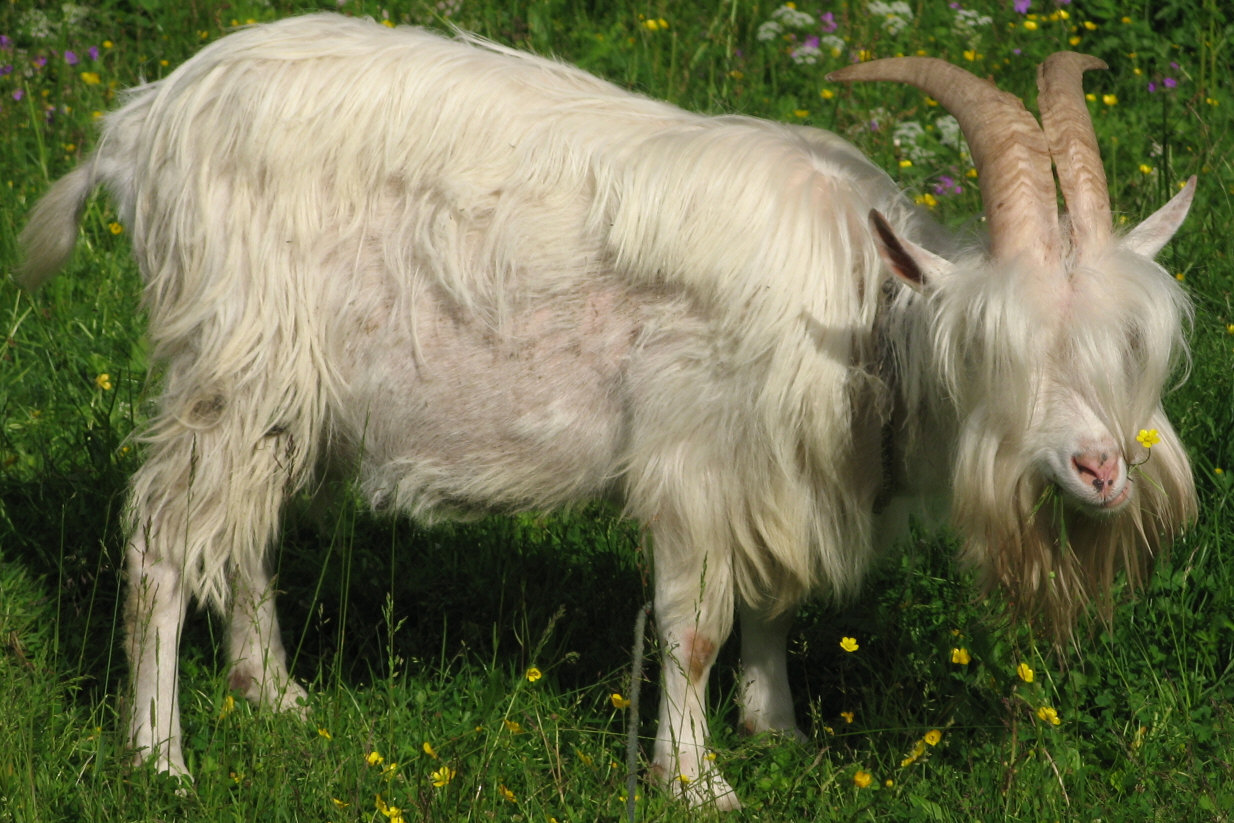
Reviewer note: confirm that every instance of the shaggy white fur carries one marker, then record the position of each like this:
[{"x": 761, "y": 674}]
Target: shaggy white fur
[{"x": 490, "y": 281}]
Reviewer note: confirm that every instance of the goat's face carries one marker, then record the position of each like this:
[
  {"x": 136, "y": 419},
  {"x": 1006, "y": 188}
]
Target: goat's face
[{"x": 1053, "y": 346}]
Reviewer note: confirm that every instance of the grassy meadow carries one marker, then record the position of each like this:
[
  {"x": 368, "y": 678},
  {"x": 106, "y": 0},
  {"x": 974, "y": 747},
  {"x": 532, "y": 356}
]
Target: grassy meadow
[{"x": 480, "y": 671}]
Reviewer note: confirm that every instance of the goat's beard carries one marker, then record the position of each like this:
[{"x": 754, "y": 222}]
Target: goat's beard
[{"x": 1054, "y": 557}]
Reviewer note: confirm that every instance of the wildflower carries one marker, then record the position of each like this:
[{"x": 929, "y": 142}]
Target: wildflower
[
  {"x": 1145, "y": 168},
  {"x": 393, "y": 813},
  {"x": 849, "y": 644},
  {"x": 961, "y": 657},
  {"x": 1025, "y": 672},
  {"x": 71, "y": 57},
  {"x": 1090, "y": 25},
  {"x": 1148, "y": 438},
  {"x": 619, "y": 702},
  {"x": 862, "y": 779},
  {"x": 374, "y": 759},
  {"x": 970, "y": 55},
  {"x": 339, "y": 804},
  {"x": 506, "y": 793},
  {"x": 1021, "y": 6},
  {"x": 389, "y": 769},
  {"x": 388, "y": 23},
  {"x": 428, "y": 749},
  {"x": 926, "y": 199},
  {"x": 442, "y": 776},
  {"x": 325, "y": 733},
  {"x": 658, "y": 24},
  {"x": 93, "y": 52},
  {"x": 932, "y": 737},
  {"x": 103, "y": 381},
  {"x": 534, "y": 674},
  {"x": 107, "y": 44},
  {"x": 848, "y": 716},
  {"x": 229, "y": 702},
  {"x": 1048, "y": 714},
  {"x": 1218, "y": 470},
  {"x": 18, "y": 94},
  {"x": 90, "y": 78},
  {"x": 801, "y": 114},
  {"x": 1109, "y": 99},
  {"x": 1030, "y": 25},
  {"x": 827, "y": 94},
  {"x": 906, "y": 163},
  {"x": 513, "y": 726},
  {"x": 914, "y": 755}
]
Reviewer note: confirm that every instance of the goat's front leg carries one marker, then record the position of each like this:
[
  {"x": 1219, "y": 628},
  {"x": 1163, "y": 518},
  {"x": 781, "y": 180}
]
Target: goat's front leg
[
  {"x": 154, "y": 617},
  {"x": 767, "y": 703},
  {"x": 255, "y": 648},
  {"x": 694, "y": 607}
]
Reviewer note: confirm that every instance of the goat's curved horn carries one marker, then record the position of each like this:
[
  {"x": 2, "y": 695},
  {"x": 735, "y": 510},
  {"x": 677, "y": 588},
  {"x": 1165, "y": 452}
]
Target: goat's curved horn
[
  {"x": 1009, "y": 151},
  {"x": 1073, "y": 143}
]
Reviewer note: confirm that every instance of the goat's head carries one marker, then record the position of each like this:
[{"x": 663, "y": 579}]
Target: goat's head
[{"x": 1053, "y": 346}]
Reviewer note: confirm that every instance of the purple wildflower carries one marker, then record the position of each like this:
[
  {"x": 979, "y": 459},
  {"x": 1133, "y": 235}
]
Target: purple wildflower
[
  {"x": 18, "y": 94},
  {"x": 1169, "y": 82},
  {"x": 6, "y": 69},
  {"x": 1021, "y": 6},
  {"x": 6, "y": 42},
  {"x": 40, "y": 61},
  {"x": 811, "y": 42},
  {"x": 71, "y": 58},
  {"x": 93, "y": 52},
  {"x": 829, "y": 22}
]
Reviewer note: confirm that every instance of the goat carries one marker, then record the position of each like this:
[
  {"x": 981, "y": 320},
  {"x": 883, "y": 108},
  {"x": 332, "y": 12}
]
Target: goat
[{"x": 487, "y": 281}]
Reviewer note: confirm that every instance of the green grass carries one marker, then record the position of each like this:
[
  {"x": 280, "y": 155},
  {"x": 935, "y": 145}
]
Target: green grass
[{"x": 409, "y": 636}]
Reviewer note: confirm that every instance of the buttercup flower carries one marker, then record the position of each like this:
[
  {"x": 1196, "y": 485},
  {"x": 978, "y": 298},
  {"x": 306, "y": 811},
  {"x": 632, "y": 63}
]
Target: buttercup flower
[
  {"x": 442, "y": 776},
  {"x": 534, "y": 674},
  {"x": 506, "y": 793},
  {"x": 103, "y": 381},
  {"x": 1049, "y": 715},
  {"x": 849, "y": 644},
  {"x": 862, "y": 779},
  {"x": 932, "y": 737},
  {"x": 960, "y": 657},
  {"x": 1025, "y": 672},
  {"x": 618, "y": 701},
  {"x": 1148, "y": 438}
]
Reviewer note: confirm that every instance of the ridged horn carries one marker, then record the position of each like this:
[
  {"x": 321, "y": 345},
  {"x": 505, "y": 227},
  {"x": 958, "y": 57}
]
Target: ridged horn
[
  {"x": 1009, "y": 151},
  {"x": 1073, "y": 144}
]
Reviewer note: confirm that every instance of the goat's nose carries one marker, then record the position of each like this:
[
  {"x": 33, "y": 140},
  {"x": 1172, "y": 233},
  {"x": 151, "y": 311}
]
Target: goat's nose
[{"x": 1098, "y": 469}]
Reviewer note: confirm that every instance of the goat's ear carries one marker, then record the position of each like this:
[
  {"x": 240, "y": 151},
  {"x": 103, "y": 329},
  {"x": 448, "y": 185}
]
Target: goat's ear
[
  {"x": 1150, "y": 237},
  {"x": 913, "y": 264}
]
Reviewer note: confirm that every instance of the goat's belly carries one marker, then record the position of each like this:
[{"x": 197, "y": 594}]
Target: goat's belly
[{"x": 460, "y": 417}]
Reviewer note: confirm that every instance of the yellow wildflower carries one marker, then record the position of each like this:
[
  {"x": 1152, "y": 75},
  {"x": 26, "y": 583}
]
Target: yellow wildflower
[
  {"x": 961, "y": 657},
  {"x": 1030, "y": 25},
  {"x": 374, "y": 759},
  {"x": 325, "y": 733},
  {"x": 513, "y": 726},
  {"x": 534, "y": 674},
  {"x": 428, "y": 749},
  {"x": 801, "y": 114},
  {"x": 618, "y": 701},
  {"x": 229, "y": 702},
  {"x": 906, "y": 163},
  {"x": 115, "y": 228},
  {"x": 1148, "y": 438},
  {"x": 506, "y": 793},
  {"x": 848, "y": 716},
  {"x": 862, "y": 779},
  {"x": 849, "y": 644},
  {"x": 1109, "y": 99},
  {"x": 91, "y": 78},
  {"x": 932, "y": 737},
  {"x": 1145, "y": 168},
  {"x": 103, "y": 381},
  {"x": 1048, "y": 714},
  {"x": 827, "y": 94},
  {"x": 442, "y": 776},
  {"x": 388, "y": 23},
  {"x": 339, "y": 804},
  {"x": 1025, "y": 672}
]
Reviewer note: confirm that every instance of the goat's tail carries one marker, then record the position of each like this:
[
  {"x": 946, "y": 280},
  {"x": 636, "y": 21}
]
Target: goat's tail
[{"x": 51, "y": 230}]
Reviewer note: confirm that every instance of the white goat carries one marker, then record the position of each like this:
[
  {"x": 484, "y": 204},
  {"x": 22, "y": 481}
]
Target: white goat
[{"x": 490, "y": 281}]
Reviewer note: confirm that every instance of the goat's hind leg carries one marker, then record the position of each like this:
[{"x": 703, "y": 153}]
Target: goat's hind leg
[
  {"x": 202, "y": 509},
  {"x": 255, "y": 648}
]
